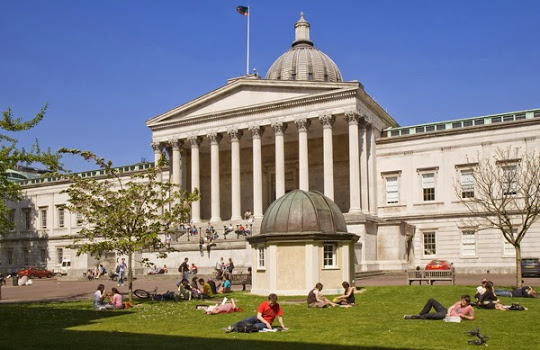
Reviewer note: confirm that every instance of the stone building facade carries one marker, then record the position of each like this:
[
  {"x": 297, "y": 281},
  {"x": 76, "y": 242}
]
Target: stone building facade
[{"x": 252, "y": 140}]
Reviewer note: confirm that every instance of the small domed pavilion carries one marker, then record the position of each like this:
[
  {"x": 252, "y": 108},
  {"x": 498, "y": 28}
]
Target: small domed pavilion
[{"x": 303, "y": 240}]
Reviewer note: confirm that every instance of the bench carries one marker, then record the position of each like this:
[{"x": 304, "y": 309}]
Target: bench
[
  {"x": 240, "y": 279},
  {"x": 431, "y": 276}
]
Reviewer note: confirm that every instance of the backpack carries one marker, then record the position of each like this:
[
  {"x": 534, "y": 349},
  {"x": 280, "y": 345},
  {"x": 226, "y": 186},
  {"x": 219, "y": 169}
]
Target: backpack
[
  {"x": 516, "y": 307},
  {"x": 117, "y": 268},
  {"x": 245, "y": 327}
]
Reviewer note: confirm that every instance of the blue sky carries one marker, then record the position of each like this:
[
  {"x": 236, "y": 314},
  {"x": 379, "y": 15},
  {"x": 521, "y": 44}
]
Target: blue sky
[{"x": 105, "y": 67}]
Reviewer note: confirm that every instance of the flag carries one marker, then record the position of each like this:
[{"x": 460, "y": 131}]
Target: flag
[{"x": 243, "y": 10}]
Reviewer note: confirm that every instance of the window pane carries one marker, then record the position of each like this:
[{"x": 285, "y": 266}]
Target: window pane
[
  {"x": 468, "y": 243},
  {"x": 467, "y": 184},
  {"x": 391, "y": 190}
]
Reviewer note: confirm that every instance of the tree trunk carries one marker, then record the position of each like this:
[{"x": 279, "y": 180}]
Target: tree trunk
[
  {"x": 518, "y": 265},
  {"x": 130, "y": 276}
]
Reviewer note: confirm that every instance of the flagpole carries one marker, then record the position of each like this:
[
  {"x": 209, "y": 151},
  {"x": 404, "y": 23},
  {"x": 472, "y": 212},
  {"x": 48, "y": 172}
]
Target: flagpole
[{"x": 247, "y": 47}]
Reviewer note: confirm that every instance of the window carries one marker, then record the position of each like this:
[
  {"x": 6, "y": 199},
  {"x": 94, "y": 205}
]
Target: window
[
  {"x": 79, "y": 219},
  {"x": 59, "y": 255},
  {"x": 392, "y": 194},
  {"x": 261, "y": 257},
  {"x": 26, "y": 256},
  {"x": 10, "y": 257},
  {"x": 428, "y": 186},
  {"x": 61, "y": 212},
  {"x": 509, "y": 184},
  {"x": 27, "y": 219},
  {"x": 43, "y": 217},
  {"x": 310, "y": 76},
  {"x": 11, "y": 218},
  {"x": 467, "y": 184},
  {"x": 329, "y": 255},
  {"x": 43, "y": 256},
  {"x": 430, "y": 245},
  {"x": 468, "y": 243}
]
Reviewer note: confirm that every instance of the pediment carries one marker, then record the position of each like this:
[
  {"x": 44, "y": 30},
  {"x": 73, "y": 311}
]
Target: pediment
[{"x": 242, "y": 94}]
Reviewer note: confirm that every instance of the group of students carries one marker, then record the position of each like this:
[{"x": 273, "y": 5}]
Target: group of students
[
  {"x": 316, "y": 300},
  {"x": 201, "y": 289},
  {"x": 486, "y": 298},
  {"x": 115, "y": 299}
]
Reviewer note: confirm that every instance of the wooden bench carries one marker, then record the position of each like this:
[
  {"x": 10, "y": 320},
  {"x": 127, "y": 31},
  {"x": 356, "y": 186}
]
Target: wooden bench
[{"x": 431, "y": 276}]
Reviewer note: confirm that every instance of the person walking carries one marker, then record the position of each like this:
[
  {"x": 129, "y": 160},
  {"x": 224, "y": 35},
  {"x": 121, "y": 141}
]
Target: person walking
[{"x": 121, "y": 271}]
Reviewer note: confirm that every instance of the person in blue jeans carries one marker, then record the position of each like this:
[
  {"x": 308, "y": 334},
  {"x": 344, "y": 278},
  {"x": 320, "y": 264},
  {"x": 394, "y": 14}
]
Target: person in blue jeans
[
  {"x": 121, "y": 269},
  {"x": 523, "y": 292}
]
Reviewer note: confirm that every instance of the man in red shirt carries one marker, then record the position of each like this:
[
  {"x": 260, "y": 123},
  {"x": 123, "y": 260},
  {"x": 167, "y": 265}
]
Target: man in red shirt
[{"x": 266, "y": 313}]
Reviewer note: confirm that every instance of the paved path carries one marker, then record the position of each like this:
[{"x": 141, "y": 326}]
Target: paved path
[{"x": 59, "y": 289}]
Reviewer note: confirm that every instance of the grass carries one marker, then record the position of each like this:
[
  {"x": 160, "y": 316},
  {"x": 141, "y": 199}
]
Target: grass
[{"x": 375, "y": 323}]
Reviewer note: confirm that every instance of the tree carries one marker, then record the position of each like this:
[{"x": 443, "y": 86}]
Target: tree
[
  {"x": 11, "y": 155},
  {"x": 124, "y": 213},
  {"x": 504, "y": 194}
]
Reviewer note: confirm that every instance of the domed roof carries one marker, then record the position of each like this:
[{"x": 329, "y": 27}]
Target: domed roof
[
  {"x": 301, "y": 211},
  {"x": 303, "y": 61}
]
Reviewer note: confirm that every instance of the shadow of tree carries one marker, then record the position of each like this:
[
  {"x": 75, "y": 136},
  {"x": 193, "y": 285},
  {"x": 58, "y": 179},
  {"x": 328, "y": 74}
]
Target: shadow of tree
[{"x": 43, "y": 326}]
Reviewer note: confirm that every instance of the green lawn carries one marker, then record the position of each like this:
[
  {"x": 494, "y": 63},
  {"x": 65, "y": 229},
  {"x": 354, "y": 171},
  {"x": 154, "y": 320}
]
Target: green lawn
[{"x": 376, "y": 322}]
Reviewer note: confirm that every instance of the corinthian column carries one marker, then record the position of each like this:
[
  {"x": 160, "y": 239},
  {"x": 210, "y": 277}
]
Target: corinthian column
[
  {"x": 279, "y": 131},
  {"x": 328, "y": 158},
  {"x": 214, "y": 177},
  {"x": 363, "y": 167},
  {"x": 354, "y": 162},
  {"x": 256, "y": 134},
  {"x": 176, "y": 172},
  {"x": 235, "y": 136},
  {"x": 303, "y": 163},
  {"x": 195, "y": 178},
  {"x": 156, "y": 146}
]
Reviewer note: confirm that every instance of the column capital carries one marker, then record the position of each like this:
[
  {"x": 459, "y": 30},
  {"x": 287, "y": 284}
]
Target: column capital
[
  {"x": 235, "y": 134},
  {"x": 302, "y": 124},
  {"x": 214, "y": 137},
  {"x": 177, "y": 144},
  {"x": 327, "y": 120},
  {"x": 353, "y": 117},
  {"x": 256, "y": 131},
  {"x": 279, "y": 128},
  {"x": 157, "y": 147},
  {"x": 195, "y": 141}
]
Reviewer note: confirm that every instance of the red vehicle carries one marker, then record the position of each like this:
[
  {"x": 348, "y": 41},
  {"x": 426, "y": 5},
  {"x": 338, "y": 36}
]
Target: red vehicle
[
  {"x": 32, "y": 272},
  {"x": 438, "y": 264}
]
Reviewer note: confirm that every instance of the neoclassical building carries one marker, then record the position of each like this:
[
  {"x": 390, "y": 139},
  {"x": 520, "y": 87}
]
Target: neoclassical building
[{"x": 254, "y": 139}]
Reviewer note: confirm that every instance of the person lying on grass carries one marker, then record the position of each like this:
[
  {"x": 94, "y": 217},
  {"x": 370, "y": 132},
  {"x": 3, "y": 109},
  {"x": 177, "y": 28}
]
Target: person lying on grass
[
  {"x": 226, "y": 308},
  {"x": 461, "y": 309},
  {"x": 316, "y": 299},
  {"x": 266, "y": 313},
  {"x": 523, "y": 292}
]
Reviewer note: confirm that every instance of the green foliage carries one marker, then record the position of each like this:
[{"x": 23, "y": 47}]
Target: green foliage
[
  {"x": 125, "y": 214},
  {"x": 11, "y": 155},
  {"x": 376, "y": 322}
]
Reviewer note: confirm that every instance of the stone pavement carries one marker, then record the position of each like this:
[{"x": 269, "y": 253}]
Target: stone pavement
[{"x": 60, "y": 289}]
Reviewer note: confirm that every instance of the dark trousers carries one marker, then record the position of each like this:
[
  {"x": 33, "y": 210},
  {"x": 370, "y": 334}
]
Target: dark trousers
[
  {"x": 439, "y": 314},
  {"x": 251, "y": 320}
]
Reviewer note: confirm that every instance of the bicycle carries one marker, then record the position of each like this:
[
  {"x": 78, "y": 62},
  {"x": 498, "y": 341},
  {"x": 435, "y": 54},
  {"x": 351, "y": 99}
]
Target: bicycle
[{"x": 154, "y": 295}]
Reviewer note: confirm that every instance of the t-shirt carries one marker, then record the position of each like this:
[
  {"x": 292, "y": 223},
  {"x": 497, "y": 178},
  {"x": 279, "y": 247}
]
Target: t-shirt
[
  {"x": 269, "y": 312},
  {"x": 521, "y": 292},
  {"x": 98, "y": 302},
  {"x": 460, "y": 310},
  {"x": 227, "y": 284},
  {"x": 207, "y": 289},
  {"x": 224, "y": 309},
  {"x": 184, "y": 267},
  {"x": 117, "y": 302}
]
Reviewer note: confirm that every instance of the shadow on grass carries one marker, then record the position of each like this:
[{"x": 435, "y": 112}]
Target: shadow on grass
[{"x": 43, "y": 326}]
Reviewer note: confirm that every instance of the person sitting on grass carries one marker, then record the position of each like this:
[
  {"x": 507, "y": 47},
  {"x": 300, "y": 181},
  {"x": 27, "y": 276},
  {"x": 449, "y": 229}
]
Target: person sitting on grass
[
  {"x": 206, "y": 290},
  {"x": 266, "y": 313},
  {"x": 347, "y": 298},
  {"x": 226, "y": 308},
  {"x": 316, "y": 299},
  {"x": 116, "y": 299},
  {"x": 488, "y": 299},
  {"x": 99, "y": 297},
  {"x": 184, "y": 291},
  {"x": 461, "y": 309}
]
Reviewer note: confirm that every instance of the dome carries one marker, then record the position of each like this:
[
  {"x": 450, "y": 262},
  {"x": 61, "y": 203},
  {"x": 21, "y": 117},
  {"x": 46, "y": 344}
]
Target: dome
[
  {"x": 303, "y": 61},
  {"x": 301, "y": 211}
]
